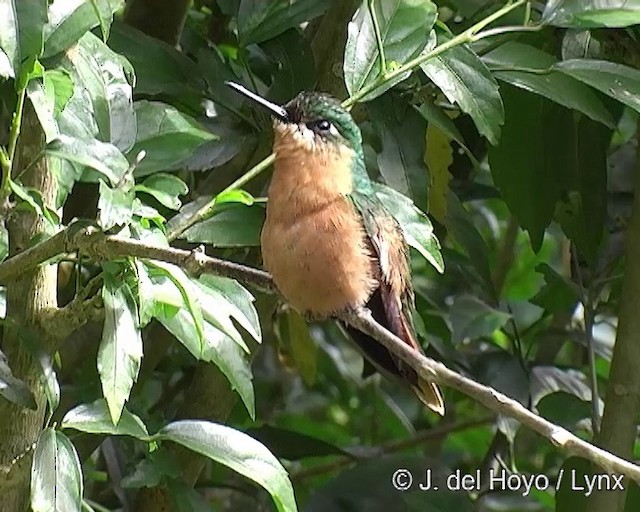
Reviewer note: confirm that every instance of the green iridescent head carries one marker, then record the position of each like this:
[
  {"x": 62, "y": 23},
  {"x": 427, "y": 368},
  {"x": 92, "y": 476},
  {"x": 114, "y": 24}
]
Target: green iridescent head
[{"x": 314, "y": 113}]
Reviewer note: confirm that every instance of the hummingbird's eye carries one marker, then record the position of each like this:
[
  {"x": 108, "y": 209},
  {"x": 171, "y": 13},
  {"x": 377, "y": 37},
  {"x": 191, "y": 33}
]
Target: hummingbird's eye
[{"x": 321, "y": 125}]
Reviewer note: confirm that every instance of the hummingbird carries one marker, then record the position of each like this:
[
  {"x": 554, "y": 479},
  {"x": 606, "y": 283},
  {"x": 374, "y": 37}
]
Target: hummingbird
[{"x": 328, "y": 242}]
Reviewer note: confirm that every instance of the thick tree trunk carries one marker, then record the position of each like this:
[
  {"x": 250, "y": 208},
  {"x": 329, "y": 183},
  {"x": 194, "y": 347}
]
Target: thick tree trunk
[
  {"x": 27, "y": 297},
  {"x": 622, "y": 405}
]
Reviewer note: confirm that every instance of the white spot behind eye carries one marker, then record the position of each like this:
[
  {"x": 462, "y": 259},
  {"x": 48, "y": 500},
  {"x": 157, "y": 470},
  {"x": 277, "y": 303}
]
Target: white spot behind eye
[{"x": 333, "y": 130}]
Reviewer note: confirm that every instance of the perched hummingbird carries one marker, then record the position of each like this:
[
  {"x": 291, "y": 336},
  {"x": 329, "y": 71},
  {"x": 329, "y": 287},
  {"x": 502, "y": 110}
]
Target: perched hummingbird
[{"x": 329, "y": 243}]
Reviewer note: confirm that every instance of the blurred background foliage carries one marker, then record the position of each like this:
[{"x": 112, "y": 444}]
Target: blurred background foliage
[{"x": 521, "y": 146}]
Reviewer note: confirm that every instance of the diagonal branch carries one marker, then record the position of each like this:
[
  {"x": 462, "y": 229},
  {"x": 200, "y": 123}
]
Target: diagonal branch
[{"x": 497, "y": 402}]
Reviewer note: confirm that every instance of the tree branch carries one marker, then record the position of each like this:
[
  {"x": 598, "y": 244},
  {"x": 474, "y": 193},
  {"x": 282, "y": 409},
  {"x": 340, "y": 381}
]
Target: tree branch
[
  {"x": 96, "y": 244},
  {"x": 497, "y": 402}
]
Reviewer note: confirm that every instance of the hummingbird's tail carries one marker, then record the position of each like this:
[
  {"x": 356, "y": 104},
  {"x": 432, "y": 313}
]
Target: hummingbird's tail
[{"x": 390, "y": 365}]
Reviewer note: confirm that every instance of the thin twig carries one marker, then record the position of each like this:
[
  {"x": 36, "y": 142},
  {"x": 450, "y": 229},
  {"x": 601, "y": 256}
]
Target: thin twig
[{"x": 376, "y": 30}]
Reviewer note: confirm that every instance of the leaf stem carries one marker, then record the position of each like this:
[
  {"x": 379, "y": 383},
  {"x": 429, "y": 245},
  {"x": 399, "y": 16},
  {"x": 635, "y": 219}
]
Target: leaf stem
[
  {"x": 15, "y": 125},
  {"x": 204, "y": 212},
  {"x": 376, "y": 30},
  {"x": 468, "y": 36}
]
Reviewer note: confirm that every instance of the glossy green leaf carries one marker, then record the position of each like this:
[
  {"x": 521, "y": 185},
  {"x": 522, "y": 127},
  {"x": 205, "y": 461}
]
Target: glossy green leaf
[
  {"x": 106, "y": 78},
  {"x": 187, "y": 289},
  {"x": 401, "y": 160},
  {"x": 523, "y": 165},
  {"x": 69, "y": 20},
  {"x": 234, "y": 301},
  {"x": 14, "y": 389},
  {"x": 9, "y": 38},
  {"x": 104, "y": 11},
  {"x": 6, "y": 68},
  {"x": 56, "y": 474},
  {"x": 531, "y": 69},
  {"x": 166, "y": 188},
  {"x": 94, "y": 418},
  {"x": 404, "y": 29},
  {"x": 101, "y": 156},
  {"x": 44, "y": 106},
  {"x": 433, "y": 114},
  {"x": 232, "y": 226},
  {"x": 416, "y": 226},
  {"x": 237, "y": 451},
  {"x": 32, "y": 17},
  {"x": 115, "y": 205},
  {"x": 620, "y": 82},
  {"x": 259, "y": 20},
  {"x": 166, "y": 135},
  {"x": 120, "y": 351},
  {"x": 58, "y": 84},
  {"x": 464, "y": 79},
  {"x": 472, "y": 319},
  {"x": 591, "y": 13}
]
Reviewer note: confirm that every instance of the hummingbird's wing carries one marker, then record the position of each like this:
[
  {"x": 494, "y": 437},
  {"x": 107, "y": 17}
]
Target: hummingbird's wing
[{"x": 391, "y": 303}]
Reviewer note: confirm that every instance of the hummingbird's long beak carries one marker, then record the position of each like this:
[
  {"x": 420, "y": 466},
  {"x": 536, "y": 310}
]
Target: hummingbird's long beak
[{"x": 276, "y": 110}]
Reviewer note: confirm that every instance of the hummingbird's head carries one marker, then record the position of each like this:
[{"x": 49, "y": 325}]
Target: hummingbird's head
[{"x": 315, "y": 120}]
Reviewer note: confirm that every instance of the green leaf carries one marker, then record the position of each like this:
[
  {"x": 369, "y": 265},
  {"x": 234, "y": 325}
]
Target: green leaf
[
  {"x": 416, "y": 226},
  {"x": 531, "y": 69},
  {"x": 583, "y": 211},
  {"x": 472, "y": 319},
  {"x": 166, "y": 188},
  {"x": 232, "y": 226},
  {"x": 559, "y": 294},
  {"x": 620, "y": 82},
  {"x": 14, "y": 389},
  {"x": 33, "y": 198},
  {"x": 94, "y": 418},
  {"x": 56, "y": 474},
  {"x": 6, "y": 69},
  {"x": 464, "y": 79},
  {"x": 296, "y": 344},
  {"x": 436, "y": 116},
  {"x": 291, "y": 445},
  {"x": 187, "y": 289},
  {"x": 404, "y": 29},
  {"x": 237, "y": 451},
  {"x": 32, "y": 17},
  {"x": 101, "y": 156},
  {"x": 44, "y": 107},
  {"x": 59, "y": 85},
  {"x": 9, "y": 38},
  {"x": 401, "y": 161},
  {"x": 166, "y": 135},
  {"x": 69, "y": 20},
  {"x": 160, "y": 68},
  {"x": 259, "y": 20},
  {"x": 115, "y": 205},
  {"x": 104, "y": 12},
  {"x": 106, "y": 77},
  {"x": 591, "y": 13},
  {"x": 120, "y": 351},
  {"x": 564, "y": 409},
  {"x": 231, "y": 300},
  {"x": 524, "y": 166}
]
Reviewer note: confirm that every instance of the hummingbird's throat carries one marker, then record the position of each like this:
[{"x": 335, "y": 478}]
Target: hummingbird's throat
[{"x": 307, "y": 162}]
